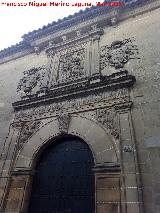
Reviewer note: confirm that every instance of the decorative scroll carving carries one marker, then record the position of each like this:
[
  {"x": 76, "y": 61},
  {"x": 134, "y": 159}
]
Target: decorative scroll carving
[
  {"x": 118, "y": 54},
  {"x": 64, "y": 120},
  {"x": 33, "y": 83},
  {"x": 72, "y": 66},
  {"x": 28, "y": 129},
  {"x": 72, "y": 105},
  {"x": 108, "y": 118}
]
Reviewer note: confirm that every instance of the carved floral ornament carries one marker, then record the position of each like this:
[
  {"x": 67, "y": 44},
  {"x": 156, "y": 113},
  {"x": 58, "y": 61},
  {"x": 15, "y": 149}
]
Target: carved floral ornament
[
  {"x": 28, "y": 129},
  {"x": 72, "y": 105},
  {"x": 108, "y": 118}
]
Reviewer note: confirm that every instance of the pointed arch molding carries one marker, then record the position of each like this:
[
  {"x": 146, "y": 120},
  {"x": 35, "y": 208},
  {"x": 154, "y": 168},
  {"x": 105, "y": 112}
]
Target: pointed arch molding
[{"x": 103, "y": 148}]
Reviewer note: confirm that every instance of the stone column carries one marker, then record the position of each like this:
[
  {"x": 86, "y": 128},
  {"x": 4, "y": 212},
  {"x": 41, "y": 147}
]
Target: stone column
[
  {"x": 107, "y": 182},
  {"x": 131, "y": 188}
]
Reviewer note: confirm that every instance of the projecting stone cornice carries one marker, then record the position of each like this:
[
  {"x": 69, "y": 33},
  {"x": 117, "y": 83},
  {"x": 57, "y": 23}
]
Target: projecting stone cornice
[{"x": 83, "y": 88}]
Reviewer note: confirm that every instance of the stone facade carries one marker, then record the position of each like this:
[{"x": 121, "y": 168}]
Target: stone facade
[{"x": 97, "y": 80}]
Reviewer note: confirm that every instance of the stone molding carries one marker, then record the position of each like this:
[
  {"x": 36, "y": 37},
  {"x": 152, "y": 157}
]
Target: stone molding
[
  {"x": 100, "y": 100},
  {"x": 22, "y": 172},
  {"x": 28, "y": 129},
  {"x": 81, "y": 88},
  {"x": 107, "y": 168}
]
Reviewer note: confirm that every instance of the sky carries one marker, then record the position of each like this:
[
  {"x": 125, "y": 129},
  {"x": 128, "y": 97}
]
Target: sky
[{"x": 17, "y": 21}]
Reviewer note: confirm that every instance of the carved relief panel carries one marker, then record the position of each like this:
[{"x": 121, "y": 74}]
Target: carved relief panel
[
  {"x": 118, "y": 54},
  {"x": 67, "y": 65},
  {"x": 34, "y": 82},
  {"x": 28, "y": 129},
  {"x": 72, "y": 66}
]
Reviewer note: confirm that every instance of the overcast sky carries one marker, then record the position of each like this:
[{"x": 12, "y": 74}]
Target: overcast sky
[{"x": 16, "y": 21}]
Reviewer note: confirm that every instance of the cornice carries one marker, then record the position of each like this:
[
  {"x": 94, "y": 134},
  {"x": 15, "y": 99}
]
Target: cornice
[
  {"x": 81, "y": 16},
  {"x": 107, "y": 167},
  {"x": 81, "y": 88}
]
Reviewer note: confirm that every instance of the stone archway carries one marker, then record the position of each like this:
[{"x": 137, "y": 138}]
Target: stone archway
[
  {"x": 106, "y": 160},
  {"x": 101, "y": 144}
]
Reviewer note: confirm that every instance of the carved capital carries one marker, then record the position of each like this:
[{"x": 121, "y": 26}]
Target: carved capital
[
  {"x": 123, "y": 107},
  {"x": 95, "y": 38}
]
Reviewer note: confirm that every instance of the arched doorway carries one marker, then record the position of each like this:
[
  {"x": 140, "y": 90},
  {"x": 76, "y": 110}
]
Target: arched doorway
[{"x": 64, "y": 180}]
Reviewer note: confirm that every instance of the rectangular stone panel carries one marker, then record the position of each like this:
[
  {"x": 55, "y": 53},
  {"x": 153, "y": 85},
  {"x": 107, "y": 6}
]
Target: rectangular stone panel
[
  {"x": 104, "y": 182},
  {"x": 112, "y": 194},
  {"x": 108, "y": 208}
]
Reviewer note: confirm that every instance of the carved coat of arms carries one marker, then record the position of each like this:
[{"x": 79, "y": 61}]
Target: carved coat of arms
[
  {"x": 32, "y": 82},
  {"x": 118, "y": 54}
]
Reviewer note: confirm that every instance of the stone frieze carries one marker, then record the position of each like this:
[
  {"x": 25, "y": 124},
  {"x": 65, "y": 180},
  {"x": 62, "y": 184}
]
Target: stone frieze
[{"x": 74, "y": 105}]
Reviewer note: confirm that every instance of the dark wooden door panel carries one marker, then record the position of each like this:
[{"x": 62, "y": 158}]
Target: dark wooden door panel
[{"x": 64, "y": 181}]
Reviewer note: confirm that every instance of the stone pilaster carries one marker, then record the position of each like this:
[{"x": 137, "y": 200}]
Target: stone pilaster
[
  {"x": 131, "y": 188},
  {"x": 7, "y": 160},
  {"x": 95, "y": 56},
  {"x": 19, "y": 193}
]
